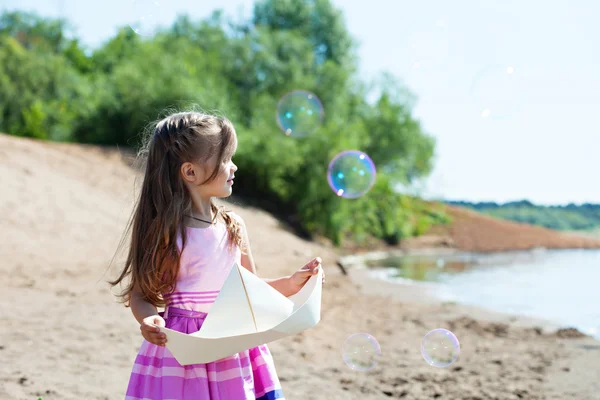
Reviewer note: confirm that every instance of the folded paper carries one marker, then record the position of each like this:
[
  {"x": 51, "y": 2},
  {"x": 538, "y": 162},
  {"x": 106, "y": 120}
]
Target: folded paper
[{"x": 247, "y": 312}]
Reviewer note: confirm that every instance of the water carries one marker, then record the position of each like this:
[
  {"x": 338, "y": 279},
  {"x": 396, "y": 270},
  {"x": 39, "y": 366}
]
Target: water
[{"x": 562, "y": 286}]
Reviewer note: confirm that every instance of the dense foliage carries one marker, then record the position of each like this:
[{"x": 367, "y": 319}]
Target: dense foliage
[
  {"x": 564, "y": 217},
  {"x": 53, "y": 88}
]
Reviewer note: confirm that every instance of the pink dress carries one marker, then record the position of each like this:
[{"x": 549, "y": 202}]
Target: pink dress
[{"x": 156, "y": 375}]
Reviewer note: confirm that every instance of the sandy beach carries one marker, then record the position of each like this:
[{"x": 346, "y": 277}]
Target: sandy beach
[{"x": 63, "y": 209}]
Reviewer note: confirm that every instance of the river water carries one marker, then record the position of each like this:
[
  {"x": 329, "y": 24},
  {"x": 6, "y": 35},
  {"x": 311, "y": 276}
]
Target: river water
[{"x": 561, "y": 286}]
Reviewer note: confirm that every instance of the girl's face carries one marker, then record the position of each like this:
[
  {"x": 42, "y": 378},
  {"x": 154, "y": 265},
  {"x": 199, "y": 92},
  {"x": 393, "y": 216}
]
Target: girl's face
[
  {"x": 221, "y": 186},
  {"x": 196, "y": 174}
]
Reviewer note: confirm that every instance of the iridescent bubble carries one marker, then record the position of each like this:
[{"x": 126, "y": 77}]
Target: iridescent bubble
[
  {"x": 440, "y": 348},
  {"x": 145, "y": 16},
  {"x": 351, "y": 174},
  {"x": 299, "y": 113},
  {"x": 361, "y": 352},
  {"x": 495, "y": 91}
]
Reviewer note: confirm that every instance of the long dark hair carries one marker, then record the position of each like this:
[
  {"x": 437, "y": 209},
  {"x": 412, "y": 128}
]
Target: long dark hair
[{"x": 157, "y": 219}]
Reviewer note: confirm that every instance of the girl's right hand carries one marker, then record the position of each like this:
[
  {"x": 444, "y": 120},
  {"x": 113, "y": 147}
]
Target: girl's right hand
[{"x": 151, "y": 332}]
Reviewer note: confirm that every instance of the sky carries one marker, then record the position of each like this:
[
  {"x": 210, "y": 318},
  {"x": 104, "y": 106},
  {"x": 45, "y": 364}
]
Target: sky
[{"x": 508, "y": 88}]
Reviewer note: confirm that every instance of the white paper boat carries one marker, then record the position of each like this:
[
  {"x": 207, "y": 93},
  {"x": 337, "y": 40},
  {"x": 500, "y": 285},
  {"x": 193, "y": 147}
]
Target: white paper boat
[{"x": 247, "y": 312}]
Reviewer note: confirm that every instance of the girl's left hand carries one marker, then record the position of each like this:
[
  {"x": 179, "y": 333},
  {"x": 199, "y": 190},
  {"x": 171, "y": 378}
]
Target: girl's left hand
[{"x": 300, "y": 277}]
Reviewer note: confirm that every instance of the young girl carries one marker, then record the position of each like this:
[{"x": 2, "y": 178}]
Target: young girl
[{"x": 182, "y": 249}]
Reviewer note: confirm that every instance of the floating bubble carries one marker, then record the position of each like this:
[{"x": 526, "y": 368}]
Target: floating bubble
[
  {"x": 351, "y": 174},
  {"x": 495, "y": 91},
  {"x": 361, "y": 352},
  {"x": 428, "y": 47},
  {"x": 299, "y": 113},
  {"x": 440, "y": 348},
  {"x": 146, "y": 15}
]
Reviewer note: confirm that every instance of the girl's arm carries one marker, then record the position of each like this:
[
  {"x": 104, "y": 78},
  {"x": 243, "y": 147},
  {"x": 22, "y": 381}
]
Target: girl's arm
[
  {"x": 139, "y": 307},
  {"x": 282, "y": 285},
  {"x": 147, "y": 315}
]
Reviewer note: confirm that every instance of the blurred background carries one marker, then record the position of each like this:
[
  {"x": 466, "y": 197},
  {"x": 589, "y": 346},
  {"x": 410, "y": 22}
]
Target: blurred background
[{"x": 479, "y": 118}]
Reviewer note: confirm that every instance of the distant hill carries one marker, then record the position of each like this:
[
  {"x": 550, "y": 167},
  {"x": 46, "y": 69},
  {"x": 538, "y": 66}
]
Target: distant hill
[
  {"x": 473, "y": 231},
  {"x": 571, "y": 217}
]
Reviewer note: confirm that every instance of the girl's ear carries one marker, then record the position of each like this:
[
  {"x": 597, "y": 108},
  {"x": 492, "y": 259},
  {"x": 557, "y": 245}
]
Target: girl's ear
[{"x": 188, "y": 172}]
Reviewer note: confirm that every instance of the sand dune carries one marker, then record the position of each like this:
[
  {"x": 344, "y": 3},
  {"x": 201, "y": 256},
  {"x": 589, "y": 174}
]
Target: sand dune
[{"x": 62, "y": 212}]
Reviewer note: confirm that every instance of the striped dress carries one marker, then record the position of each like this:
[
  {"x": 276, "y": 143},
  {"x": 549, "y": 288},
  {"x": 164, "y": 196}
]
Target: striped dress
[{"x": 156, "y": 374}]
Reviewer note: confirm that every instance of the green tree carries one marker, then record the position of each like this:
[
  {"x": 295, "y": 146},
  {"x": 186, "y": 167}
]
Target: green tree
[{"x": 38, "y": 90}]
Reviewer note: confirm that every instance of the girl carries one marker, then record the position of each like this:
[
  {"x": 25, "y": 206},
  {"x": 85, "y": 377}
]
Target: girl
[{"x": 182, "y": 249}]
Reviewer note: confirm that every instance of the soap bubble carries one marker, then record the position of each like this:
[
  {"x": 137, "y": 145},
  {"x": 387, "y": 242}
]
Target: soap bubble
[
  {"x": 361, "y": 352},
  {"x": 146, "y": 15},
  {"x": 440, "y": 348},
  {"x": 299, "y": 113},
  {"x": 495, "y": 91},
  {"x": 351, "y": 174}
]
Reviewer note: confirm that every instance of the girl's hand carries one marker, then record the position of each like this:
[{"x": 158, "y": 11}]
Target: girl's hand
[
  {"x": 151, "y": 332},
  {"x": 300, "y": 277}
]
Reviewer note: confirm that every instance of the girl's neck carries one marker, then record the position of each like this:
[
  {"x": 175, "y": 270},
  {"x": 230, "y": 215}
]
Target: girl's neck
[
  {"x": 200, "y": 217},
  {"x": 204, "y": 213},
  {"x": 202, "y": 208}
]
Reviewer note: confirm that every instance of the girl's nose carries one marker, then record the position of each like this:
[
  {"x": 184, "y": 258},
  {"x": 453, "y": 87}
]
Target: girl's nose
[{"x": 234, "y": 167}]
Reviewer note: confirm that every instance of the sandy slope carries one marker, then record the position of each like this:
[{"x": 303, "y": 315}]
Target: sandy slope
[
  {"x": 62, "y": 210},
  {"x": 472, "y": 231}
]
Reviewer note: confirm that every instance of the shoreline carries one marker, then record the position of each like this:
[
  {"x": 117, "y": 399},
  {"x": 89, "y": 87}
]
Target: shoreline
[
  {"x": 568, "y": 373},
  {"x": 351, "y": 258},
  {"x": 407, "y": 290}
]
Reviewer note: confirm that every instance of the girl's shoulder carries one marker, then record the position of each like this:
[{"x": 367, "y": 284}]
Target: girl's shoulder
[{"x": 235, "y": 216}]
